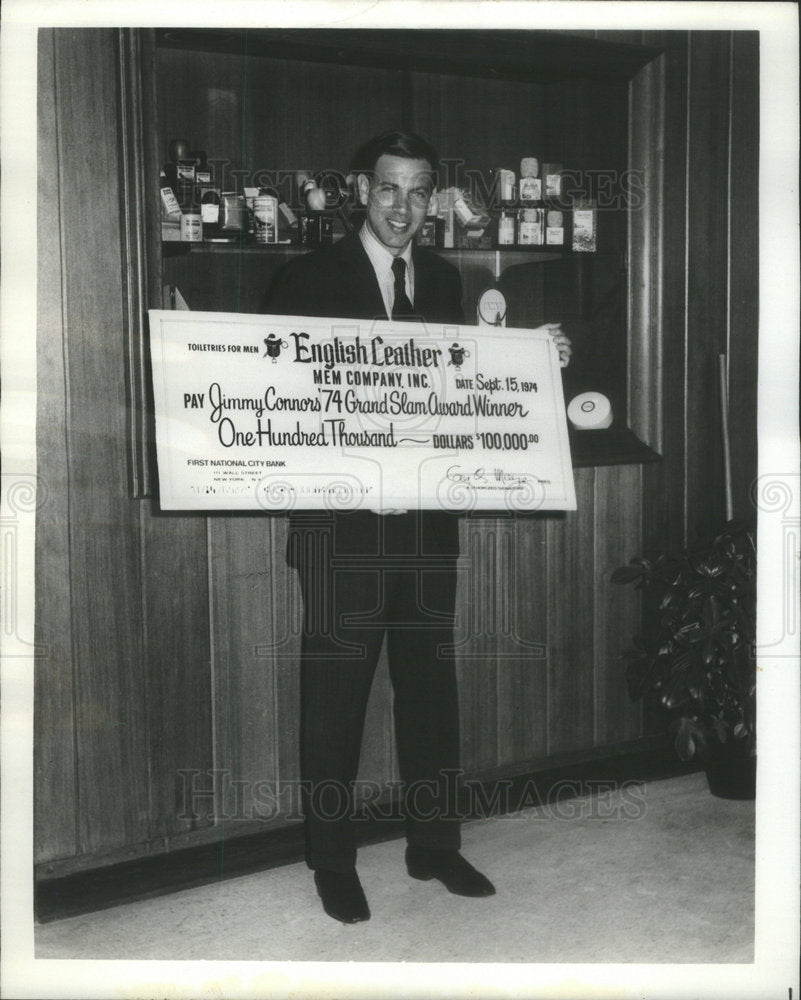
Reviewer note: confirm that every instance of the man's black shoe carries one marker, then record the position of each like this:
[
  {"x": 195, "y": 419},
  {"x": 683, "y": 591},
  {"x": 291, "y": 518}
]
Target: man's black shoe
[
  {"x": 342, "y": 895},
  {"x": 457, "y": 875}
]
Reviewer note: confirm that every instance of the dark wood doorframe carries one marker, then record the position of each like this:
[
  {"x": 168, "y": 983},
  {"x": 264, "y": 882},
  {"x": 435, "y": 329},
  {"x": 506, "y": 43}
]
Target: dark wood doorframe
[
  {"x": 139, "y": 232},
  {"x": 645, "y": 332}
]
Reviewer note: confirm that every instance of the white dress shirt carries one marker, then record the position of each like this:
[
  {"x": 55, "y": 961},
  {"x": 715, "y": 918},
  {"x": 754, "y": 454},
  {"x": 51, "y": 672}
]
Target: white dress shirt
[{"x": 382, "y": 259}]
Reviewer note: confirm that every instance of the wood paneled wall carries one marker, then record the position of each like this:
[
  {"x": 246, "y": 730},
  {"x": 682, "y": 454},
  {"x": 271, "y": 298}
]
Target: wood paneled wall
[
  {"x": 87, "y": 548},
  {"x": 172, "y": 639},
  {"x": 121, "y": 591},
  {"x": 253, "y": 116},
  {"x": 707, "y": 236},
  {"x": 54, "y": 781}
]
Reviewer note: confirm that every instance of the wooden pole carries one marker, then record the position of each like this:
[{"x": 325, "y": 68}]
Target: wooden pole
[{"x": 724, "y": 424}]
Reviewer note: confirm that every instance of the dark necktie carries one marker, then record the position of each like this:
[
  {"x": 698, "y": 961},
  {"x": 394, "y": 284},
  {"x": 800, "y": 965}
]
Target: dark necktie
[{"x": 401, "y": 307}]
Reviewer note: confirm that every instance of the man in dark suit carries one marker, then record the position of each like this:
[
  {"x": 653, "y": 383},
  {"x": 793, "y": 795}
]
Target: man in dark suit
[{"x": 367, "y": 574}]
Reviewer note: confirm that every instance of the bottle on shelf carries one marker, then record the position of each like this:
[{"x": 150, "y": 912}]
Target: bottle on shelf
[
  {"x": 442, "y": 207},
  {"x": 250, "y": 195},
  {"x": 531, "y": 227},
  {"x": 265, "y": 217},
  {"x": 504, "y": 186},
  {"x": 185, "y": 184},
  {"x": 210, "y": 213},
  {"x": 203, "y": 175},
  {"x": 506, "y": 233},
  {"x": 309, "y": 228},
  {"x": 286, "y": 220},
  {"x": 326, "y": 224}
]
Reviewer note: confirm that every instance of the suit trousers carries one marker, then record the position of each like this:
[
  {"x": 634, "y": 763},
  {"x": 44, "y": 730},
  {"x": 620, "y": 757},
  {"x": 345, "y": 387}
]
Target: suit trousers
[{"x": 394, "y": 588}]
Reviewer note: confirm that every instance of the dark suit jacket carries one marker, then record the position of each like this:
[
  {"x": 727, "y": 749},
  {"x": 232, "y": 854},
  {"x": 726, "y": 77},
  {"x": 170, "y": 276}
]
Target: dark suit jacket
[{"x": 338, "y": 280}]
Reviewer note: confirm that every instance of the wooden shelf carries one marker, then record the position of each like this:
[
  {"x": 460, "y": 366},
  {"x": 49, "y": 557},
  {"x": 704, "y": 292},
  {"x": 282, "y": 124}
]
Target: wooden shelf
[
  {"x": 611, "y": 446},
  {"x": 174, "y": 248}
]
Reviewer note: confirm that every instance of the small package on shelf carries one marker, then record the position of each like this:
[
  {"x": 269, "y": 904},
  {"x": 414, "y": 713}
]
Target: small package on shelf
[
  {"x": 472, "y": 222},
  {"x": 585, "y": 227},
  {"x": 170, "y": 216},
  {"x": 468, "y": 214},
  {"x": 232, "y": 210},
  {"x": 555, "y": 228},
  {"x": 191, "y": 228},
  {"x": 171, "y": 231},
  {"x": 530, "y": 189},
  {"x": 315, "y": 228},
  {"x": 552, "y": 180},
  {"x": 431, "y": 233},
  {"x": 286, "y": 217}
]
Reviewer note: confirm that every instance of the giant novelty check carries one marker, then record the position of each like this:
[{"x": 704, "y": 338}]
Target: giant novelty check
[{"x": 281, "y": 412}]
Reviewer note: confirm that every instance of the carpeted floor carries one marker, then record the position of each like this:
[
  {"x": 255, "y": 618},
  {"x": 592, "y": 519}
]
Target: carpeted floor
[{"x": 656, "y": 873}]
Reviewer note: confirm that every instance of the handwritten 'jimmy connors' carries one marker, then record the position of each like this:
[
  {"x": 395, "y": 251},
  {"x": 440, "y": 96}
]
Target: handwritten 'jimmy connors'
[{"x": 394, "y": 403}]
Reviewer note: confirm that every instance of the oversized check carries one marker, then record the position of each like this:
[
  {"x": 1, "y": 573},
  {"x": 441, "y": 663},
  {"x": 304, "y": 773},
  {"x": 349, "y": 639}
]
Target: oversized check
[{"x": 281, "y": 412}]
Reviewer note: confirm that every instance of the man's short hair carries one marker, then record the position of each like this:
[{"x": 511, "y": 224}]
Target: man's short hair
[{"x": 406, "y": 144}]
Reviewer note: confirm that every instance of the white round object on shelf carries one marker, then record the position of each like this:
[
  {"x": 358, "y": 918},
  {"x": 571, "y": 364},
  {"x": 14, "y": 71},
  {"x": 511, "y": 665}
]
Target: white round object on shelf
[
  {"x": 491, "y": 308},
  {"x": 590, "y": 411}
]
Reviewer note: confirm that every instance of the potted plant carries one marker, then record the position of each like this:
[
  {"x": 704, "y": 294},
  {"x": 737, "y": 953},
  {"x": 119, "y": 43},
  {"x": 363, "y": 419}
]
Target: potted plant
[{"x": 696, "y": 656}]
